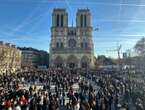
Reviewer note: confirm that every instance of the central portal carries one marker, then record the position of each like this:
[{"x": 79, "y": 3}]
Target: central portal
[
  {"x": 72, "y": 65},
  {"x": 72, "y": 61}
]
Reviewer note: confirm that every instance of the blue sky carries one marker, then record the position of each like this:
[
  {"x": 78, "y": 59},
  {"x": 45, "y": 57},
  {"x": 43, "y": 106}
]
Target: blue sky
[{"x": 27, "y": 22}]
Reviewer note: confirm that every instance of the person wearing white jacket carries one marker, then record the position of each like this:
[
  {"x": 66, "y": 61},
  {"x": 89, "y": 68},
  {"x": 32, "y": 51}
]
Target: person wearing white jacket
[
  {"x": 17, "y": 107},
  {"x": 10, "y": 108}
]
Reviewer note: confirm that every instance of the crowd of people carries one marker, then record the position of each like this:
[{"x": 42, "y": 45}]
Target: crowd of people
[
  {"x": 118, "y": 92},
  {"x": 54, "y": 90}
]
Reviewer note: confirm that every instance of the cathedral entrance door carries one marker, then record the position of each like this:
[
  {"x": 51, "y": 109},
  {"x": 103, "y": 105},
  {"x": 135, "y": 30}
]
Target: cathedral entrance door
[
  {"x": 84, "y": 65},
  {"x": 72, "y": 62},
  {"x": 85, "y": 62},
  {"x": 58, "y": 62},
  {"x": 71, "y": 65},
  {"x": 59, "y": 65}
]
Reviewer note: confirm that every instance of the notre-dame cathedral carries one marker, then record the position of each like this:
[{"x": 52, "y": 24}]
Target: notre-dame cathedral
[{"x": 71, "y": 46}]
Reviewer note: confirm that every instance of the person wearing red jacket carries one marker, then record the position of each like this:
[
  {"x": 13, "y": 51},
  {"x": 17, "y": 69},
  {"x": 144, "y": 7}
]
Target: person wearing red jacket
[
  {"x": 8, "y": 104},
  {"x": 23, "y": 102}
]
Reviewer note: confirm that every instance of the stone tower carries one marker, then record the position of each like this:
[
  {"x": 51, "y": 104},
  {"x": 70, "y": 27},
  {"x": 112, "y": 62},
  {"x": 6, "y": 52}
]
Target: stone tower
[{"x": 71, "y": 47}]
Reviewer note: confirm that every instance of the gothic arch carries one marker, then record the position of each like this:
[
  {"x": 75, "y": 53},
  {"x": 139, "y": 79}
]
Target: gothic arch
[
  {"x": 72, "y": 61},
  {"x": 58, "y": 61},
  {"x": 85, "y": 62}
]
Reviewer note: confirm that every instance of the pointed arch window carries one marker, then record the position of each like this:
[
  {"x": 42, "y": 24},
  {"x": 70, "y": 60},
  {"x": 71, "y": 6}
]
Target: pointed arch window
[
  {"x": 57, "y": 45},
  {"x": 86, "y": 45},
  {"x": 61, "y": 20},
  {"x": 62, "y": 45},
  {"x": 81, "y": 20},
  {"x": 57, "y": 20},
  {"x": 85, "y": 20}
]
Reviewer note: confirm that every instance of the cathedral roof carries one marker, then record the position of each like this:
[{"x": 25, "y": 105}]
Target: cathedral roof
[
  {"x": 83, "y": 11},
  {"x": 59, "y": 9}
]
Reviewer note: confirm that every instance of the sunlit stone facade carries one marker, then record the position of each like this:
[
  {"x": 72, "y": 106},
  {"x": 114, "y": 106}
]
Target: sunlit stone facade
[
  {"x": 71, "y": 46},
  {"x": 10, "y": 58}
]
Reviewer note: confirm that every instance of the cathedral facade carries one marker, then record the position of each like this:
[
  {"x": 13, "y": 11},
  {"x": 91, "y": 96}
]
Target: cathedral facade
[{"x": 70, "y": 46}]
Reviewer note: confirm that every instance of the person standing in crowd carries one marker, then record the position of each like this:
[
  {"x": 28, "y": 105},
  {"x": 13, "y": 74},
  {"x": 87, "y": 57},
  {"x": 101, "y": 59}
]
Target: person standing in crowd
[{"x": 54, "y": 89}]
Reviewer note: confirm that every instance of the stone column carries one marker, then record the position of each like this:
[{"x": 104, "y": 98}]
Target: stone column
[
  {"x": 65, "y": 20},
  {"x": 78, "y": 20}
]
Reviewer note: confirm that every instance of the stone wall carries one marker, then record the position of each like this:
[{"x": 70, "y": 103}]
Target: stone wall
[{"x": 10, "y": 58}]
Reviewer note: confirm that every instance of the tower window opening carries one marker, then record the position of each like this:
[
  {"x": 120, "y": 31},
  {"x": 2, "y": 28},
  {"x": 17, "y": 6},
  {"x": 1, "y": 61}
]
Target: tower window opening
[
  {"x": 61, "y": 20},
  {"x": 81, "y": 20},
  {"x": 57, "y": 21},
  {"x": 85, "y": 20}
]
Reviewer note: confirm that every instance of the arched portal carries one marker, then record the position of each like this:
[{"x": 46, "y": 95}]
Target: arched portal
[
  {"x": 84, "y": 62},
  {"x": 58, "y": 62},
  {"x": 72, "y": 61}
]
